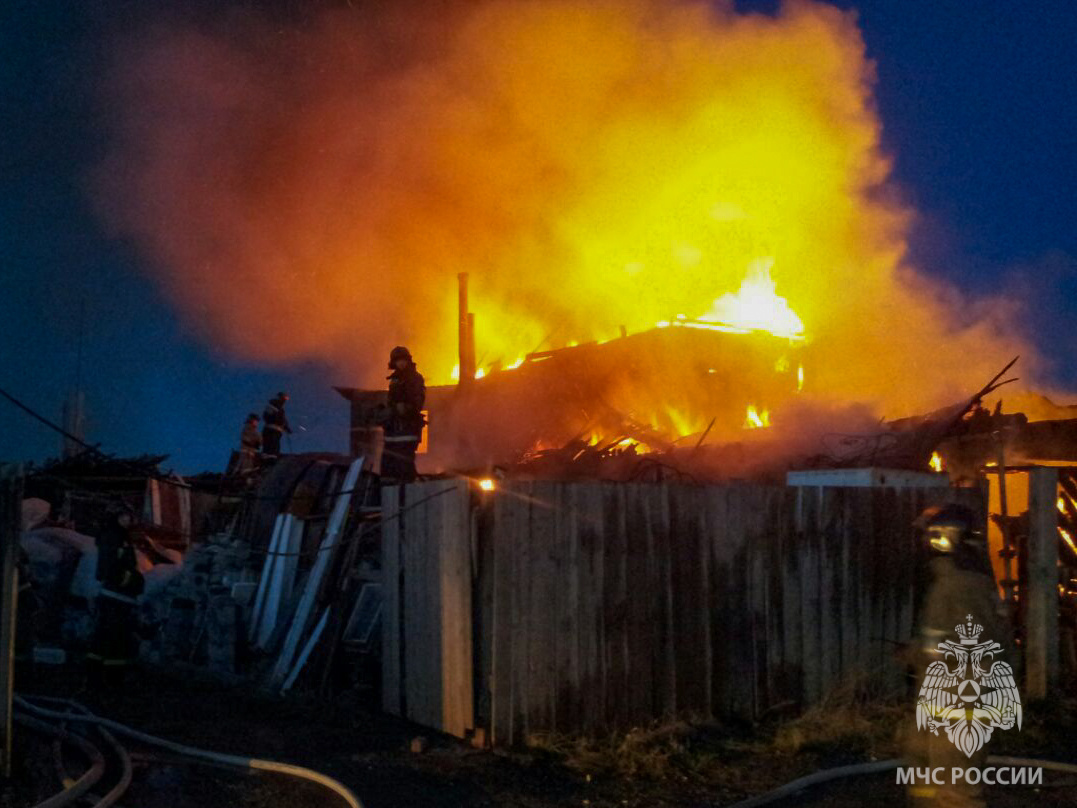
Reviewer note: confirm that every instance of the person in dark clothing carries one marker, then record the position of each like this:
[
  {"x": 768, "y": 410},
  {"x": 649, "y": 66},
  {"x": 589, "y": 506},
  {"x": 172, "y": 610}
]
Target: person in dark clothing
[
  {"x": 275, "y": 424},
  {"x": 115, "y": 643},
  {"x": 404, "y": 419},
  {"x": 250, "y": 445}
]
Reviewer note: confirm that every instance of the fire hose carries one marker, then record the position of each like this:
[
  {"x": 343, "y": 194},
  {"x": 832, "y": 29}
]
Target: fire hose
[
  {"x": 88, "y": 779},
  {"x": 126, "y": 770},
  {"x": 826, "y": 775},
  {"x": 80, "y": 714}
]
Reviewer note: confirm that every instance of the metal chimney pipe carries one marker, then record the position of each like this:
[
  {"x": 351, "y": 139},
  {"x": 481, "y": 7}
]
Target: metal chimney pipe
[
  {"x": 470, "y": 345},
  {"x": 466, "y": 339}
]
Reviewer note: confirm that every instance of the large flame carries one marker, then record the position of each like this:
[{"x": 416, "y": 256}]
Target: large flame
[
  {"x": 756, "y": 305},
  {"x": 311, "y": 191}
]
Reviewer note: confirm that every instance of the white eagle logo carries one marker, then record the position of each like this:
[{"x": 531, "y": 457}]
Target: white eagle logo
[{"x": 973, "y": 697}]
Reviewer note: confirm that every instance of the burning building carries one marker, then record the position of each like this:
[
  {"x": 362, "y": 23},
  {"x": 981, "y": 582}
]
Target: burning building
[{"x": 672, "y": 386}]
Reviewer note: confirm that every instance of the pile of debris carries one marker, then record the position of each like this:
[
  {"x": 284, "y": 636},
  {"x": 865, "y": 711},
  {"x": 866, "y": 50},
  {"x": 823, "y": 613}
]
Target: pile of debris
[
  {"x": 279, "y": 581},
  {"x": 294, "y": 597},
  {"x": 907, "y": 444}
]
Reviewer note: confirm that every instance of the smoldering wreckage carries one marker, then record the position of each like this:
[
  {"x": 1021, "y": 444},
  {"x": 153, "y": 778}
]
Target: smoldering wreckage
[{"x": 443, "y": 597}]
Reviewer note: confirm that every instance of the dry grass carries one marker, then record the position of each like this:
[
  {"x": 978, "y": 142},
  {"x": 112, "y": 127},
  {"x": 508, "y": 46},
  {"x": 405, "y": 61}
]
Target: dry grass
[
  {"x": 853, "y": 722},
  {"x": 681, "y": 750}
]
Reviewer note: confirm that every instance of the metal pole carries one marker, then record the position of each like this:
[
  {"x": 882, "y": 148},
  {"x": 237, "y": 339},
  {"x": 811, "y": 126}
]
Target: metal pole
[
  {"x": 10, "y": 528},
  {"x": 466, "y": 338},
  {"x": 471, "y": 345},
  {"x": 1008, "y": 552},
  {"x": 1041, "y": 612}
]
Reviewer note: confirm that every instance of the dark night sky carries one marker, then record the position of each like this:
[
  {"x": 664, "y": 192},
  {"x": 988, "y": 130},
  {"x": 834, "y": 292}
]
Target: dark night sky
[{"x": 978, "y": 107}]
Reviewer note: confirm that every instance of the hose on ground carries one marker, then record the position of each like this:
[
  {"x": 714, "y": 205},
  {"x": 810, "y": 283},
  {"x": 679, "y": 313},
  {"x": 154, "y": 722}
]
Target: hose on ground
[
  {"x": 825, "y": 775},
  {"x": 83, "y": 784},
  {"x": 815, "y": 778},
  {"x": 112, "y": 796},
  {"x": 1050, "y": 765},
  {"x": 256, "y": 764}
]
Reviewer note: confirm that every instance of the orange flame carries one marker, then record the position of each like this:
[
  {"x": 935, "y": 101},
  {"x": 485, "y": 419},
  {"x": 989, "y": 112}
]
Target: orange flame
[{"x": 756, "y": 418}]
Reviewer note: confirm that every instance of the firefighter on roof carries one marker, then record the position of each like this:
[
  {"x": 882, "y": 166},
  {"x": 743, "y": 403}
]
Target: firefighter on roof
[
  {"x": 275, "y": 424},
  {"x": 250, "y": 444},
  {"x": 404, "y": 420}
]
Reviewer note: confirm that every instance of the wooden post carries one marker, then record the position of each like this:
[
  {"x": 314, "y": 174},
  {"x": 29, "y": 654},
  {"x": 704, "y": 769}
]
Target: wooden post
[
  {"x": 1008, "y": 582},
  {"x": 10, "y": 527},
  {"x": 1041, "y": 629}
]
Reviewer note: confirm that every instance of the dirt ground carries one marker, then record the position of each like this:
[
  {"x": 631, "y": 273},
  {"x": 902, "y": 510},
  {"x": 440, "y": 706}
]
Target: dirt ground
[{"x": 679, "y": 765}]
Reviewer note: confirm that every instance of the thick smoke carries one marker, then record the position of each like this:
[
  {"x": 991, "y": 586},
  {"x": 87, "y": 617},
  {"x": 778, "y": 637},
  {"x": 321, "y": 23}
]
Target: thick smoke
[{"x": 310, "y": 192}]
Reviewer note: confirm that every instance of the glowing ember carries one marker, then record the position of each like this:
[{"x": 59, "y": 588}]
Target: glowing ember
[
  {"x": 756, "y": 418},
  {"x": 756, "y": 306},
  {"x": 1068, "y": 539},
  {"x": 487, "y": 484},
  {"x": 936, "y": 461}
]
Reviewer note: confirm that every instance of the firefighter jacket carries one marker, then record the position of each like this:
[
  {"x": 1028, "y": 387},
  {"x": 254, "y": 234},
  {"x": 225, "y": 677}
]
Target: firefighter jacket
[
  {"x": 961, "y": 586},
  {"x": 407, "y": 395},
  {"x": 250, "y": 441},
  {"x": 274, "y": 418}
]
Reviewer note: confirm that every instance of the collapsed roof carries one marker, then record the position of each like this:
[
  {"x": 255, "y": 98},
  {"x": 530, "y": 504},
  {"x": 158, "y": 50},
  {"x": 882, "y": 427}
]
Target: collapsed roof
[{"x": 661, "y": 388}]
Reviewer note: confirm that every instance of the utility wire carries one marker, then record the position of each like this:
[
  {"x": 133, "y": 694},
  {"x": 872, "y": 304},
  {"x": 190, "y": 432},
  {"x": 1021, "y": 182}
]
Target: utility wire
[
  {"x": 37, "y": 417},
  {"x": 138, "y": 470}
]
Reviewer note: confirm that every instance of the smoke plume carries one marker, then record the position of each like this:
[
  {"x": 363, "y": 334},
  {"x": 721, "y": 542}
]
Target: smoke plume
[{"x": 310, "y": 191}]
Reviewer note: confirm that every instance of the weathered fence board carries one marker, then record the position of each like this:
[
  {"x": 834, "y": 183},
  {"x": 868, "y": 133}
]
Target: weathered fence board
[
  {"x": 455, "y": 608},
  {"x": 500, "y": 569},
  {"x": 642, "y": 622},
  {"x": 427, "y": 659}
]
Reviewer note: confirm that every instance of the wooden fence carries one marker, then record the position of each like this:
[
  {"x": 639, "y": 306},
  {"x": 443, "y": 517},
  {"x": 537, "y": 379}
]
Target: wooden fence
[
  {"x": 584, "y": 607},
  {"x": 427, "y": 611}
]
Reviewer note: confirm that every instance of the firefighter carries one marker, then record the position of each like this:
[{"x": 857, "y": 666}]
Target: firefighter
[
  {"x": 115, "y": 642},
  {"x": 960, "y": 583},
  {"x": 250, "y": 445},
  {"x": 403, "y": 421},
  {"x": 275, "y": 424}
]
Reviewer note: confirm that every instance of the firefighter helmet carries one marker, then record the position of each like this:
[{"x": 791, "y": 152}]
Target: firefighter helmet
[
  {"x": 399, "y": 352},
  {"x": 948, "y": 528}
]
